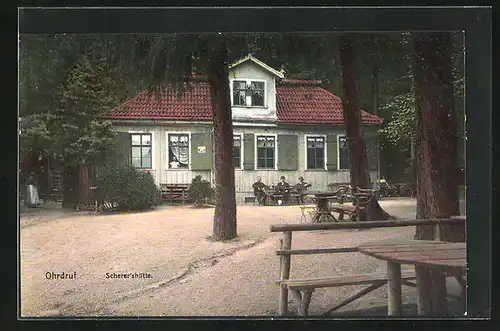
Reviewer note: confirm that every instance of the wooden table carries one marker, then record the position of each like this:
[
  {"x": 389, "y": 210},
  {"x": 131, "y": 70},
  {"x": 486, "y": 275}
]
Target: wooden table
[
  {"x": 323, "y": 213},
  {"x": 432, "y": 260}
]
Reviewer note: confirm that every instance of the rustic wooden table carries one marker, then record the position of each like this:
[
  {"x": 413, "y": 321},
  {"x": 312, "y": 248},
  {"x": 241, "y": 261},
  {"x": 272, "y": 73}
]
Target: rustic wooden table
[
  {"x": 323, "y": 213},
  {"x": 432, "y": 260}
]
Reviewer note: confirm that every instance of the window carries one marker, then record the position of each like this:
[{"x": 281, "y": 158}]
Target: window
[
  {"x": 315, "y": 152},
  {"x": 248, "y": 93},
  {"x": 343, "y": 153},
  {"x": 266, "y": 149},
  {"x": 141, "y": 151},
  {"x": 237, "y": 151},
  {"x": 178, "y": 150}
]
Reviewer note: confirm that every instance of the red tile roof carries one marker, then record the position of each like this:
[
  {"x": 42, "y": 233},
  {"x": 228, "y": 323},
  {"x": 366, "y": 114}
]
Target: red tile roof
[
  {"x": 297, "y": 101},
  {"x": 193, "y": 105},
  {"x": 300, "y": 81}
]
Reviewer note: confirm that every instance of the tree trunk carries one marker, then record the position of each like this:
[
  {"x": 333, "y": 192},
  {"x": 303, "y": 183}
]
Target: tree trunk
[
  {"x": 354, "y": 129},
  {"x": 375, "y": 70},
  {"x": 436, "y": 138},
  {"x": 225, "y": 207},
  {"x": 413, "y": 166},
  {"x": 83, "y": 186}
]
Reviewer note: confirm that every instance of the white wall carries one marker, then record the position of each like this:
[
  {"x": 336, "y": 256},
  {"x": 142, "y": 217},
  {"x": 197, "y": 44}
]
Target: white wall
[
  {"x": 243, "y": 178},
  {"x": 250, "y": 70}
]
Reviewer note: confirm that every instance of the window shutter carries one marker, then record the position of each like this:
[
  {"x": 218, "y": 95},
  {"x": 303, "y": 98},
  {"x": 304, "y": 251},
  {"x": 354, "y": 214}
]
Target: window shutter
[
  {"x": 331, "y": 152},
  {"x": 201, "y": 159},
  {"x": 249, "y": 152},
  {"x": 124, "y": 148},
  {"x": 287, "y": 152},
  {"x": 371, "y": 150}
]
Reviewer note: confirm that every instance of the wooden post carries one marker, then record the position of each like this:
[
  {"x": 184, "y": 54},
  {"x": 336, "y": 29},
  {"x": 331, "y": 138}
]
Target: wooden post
[
  {"x": 437, "y": 232},
  {"x": 304, "y": 303},
  {"x": 424, "y": 287},
  {"x": 394, "y": 287},
  {"x": 281, "y": 260},
  {"x": 285, "y": 273},
  {"x": 439, "y": 302}
]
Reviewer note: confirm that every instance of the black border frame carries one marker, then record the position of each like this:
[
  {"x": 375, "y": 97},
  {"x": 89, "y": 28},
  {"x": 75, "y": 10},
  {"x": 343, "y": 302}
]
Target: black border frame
[{"x": 476, "y": 22}]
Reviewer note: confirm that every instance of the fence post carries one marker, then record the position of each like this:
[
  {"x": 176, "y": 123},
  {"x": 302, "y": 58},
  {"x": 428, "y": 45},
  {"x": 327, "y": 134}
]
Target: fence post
[
  {"x": 437, "y": 232},
  {"x": 285, "y": 272}
]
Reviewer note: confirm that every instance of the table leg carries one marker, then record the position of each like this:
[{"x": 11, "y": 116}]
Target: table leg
[
  {"x": 439, "y": 300},
  {"x": 315, "y": 218},
  {"x": 394, "y": 288},
  {"x": 424, "y": 288}
]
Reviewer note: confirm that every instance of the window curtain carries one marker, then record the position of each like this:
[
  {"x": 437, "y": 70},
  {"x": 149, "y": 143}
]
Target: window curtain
[{"x": 179, "y": 147}]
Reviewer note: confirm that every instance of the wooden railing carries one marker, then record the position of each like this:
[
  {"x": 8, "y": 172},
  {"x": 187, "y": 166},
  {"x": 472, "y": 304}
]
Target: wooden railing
[
  {"x": 285, "y": 249},
  {"x": 368, "y": 225}
]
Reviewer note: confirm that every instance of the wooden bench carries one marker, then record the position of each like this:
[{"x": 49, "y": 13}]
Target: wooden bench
[
  {"x": 350, "y": 210},
  {"x": 174, "y": 192},
  {"x": 360, "y": 197},
  {"x": 302, "y": 289},
  {"x": 338, "y": 186}
]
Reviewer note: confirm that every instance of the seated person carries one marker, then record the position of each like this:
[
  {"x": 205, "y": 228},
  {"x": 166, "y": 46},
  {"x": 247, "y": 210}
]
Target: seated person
[
  {"x": 258, "y": 191},
  {"x": 284, "y": 188},
  {"x": 301, "y": 188}
]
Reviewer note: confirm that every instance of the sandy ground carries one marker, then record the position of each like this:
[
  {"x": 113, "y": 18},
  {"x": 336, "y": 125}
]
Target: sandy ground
[{"x": 189, "y": 274}]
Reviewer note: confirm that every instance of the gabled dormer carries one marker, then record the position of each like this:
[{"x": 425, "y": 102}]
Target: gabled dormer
[{"x": 253, "y": 89}]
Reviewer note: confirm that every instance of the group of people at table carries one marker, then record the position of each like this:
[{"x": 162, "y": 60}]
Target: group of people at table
[{"x": 283, "y": 189}]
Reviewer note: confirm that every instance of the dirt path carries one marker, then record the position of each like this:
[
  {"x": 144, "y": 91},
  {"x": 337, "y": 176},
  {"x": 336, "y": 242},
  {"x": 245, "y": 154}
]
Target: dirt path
[{"x": 189, "y": 275}]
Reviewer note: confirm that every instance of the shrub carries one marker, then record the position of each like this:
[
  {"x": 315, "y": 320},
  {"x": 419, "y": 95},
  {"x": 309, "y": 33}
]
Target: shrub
[
  {"x": 200, "y": 191},
  {"x": 127, "y": 188}
]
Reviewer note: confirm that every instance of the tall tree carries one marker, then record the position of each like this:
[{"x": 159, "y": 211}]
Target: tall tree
[
  {"x": 436, "y": 135},
  {"x": 78, "y": 134},
  {"x": 375, "y": 71},
  {"x": 224, "y": 226},
  {"x": 354, "y": 129},
  {"x": 170, "y": 62}
]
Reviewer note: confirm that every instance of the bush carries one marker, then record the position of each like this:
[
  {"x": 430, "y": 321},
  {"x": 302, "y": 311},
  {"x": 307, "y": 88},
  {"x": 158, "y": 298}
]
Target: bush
[
  {"x": 200, "y": 191},
  {"x": 127, "y": 188}
]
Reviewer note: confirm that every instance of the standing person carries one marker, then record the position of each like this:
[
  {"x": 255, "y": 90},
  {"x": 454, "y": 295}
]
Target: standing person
[
  {"x": 284, "y": 188},
  {"x": 301, "y": 188},
  {"x": 32, "y": 198},
  {"x": 258, "y": 191}
]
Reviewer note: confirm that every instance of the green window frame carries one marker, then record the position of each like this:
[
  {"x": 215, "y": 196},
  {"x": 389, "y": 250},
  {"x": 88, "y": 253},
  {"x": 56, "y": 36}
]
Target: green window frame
[
  {"x": 266, "y": 152},
  {"x": 142, "y": 150},
  {"x": 237, "y": 151},
  {"x": 316, "y": 152}
]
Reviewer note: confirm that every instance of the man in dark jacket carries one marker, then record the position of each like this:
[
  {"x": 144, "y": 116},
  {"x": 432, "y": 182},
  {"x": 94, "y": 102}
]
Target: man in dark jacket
[
  {"x": 258, "y": 191},
  {"x": 301, "y": 188},
  {"x": 284, "y": 188}
]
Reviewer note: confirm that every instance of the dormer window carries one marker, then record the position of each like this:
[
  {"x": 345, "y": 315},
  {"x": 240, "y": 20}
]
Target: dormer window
[{"x": 248, "y": 93}]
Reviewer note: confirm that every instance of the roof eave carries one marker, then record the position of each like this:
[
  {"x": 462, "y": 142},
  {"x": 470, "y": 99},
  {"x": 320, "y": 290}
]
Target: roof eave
[{"x": 275, "y": 72}]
